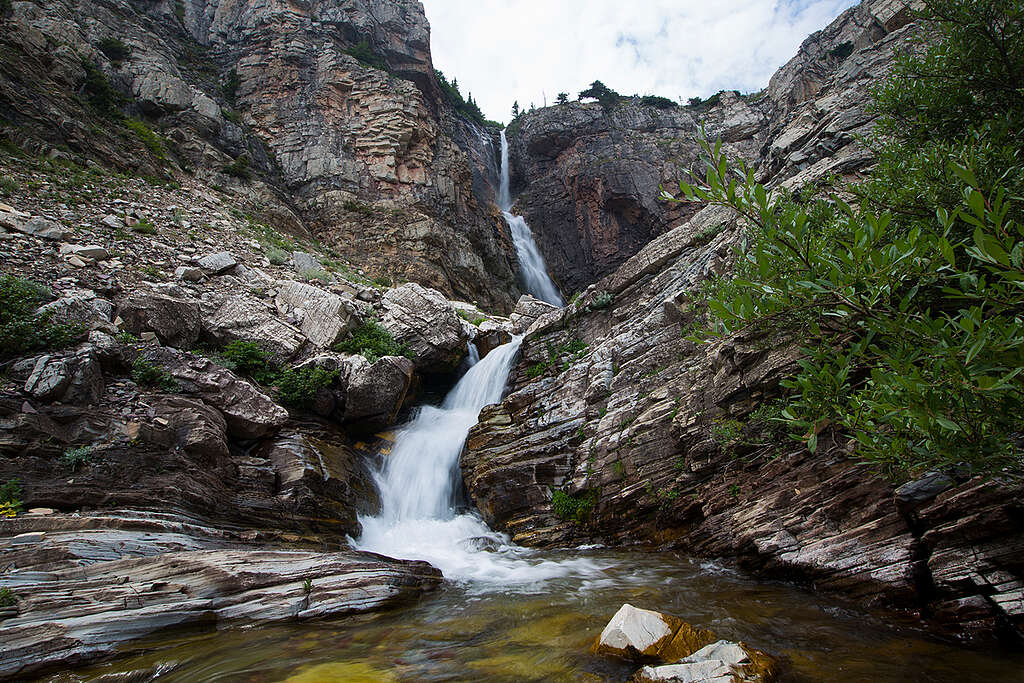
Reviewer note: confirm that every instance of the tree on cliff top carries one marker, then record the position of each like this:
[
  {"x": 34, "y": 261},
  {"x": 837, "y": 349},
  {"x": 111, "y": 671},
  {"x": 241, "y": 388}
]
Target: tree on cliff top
[
  {"x": 910, "y": 302},
  {"x": 602, "y": 93}
]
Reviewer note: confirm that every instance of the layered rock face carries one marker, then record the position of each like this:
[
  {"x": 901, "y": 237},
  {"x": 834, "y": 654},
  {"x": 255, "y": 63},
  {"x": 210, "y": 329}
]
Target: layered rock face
[
  {"x": 647, "y": 436},
  {"x": 588, "y": 180},
  {"x": 366, "y": 158}
]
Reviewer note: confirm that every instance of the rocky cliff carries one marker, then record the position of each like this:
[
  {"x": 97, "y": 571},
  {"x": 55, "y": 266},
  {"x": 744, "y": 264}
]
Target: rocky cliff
[
  {"x": 588, "y": 179},
  {"x": 619, "y": 429},
  {"x": 266, "y": 100}
]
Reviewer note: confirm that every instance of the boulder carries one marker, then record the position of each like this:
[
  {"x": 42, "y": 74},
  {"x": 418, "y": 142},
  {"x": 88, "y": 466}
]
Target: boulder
[
  {"x": 319, "y": 479},
  {"x": 426, "y": 321},
  {"x": 637, "y": 634},
  {"x": 719, "y": 662},
  {"x": 19, "y": 221},
  {"x": 527, "y": 311},
  {"x": 247, "y": 319},
  {"x": 72, "y": 379},
  {"x": 89, "y": 251},
  {"x": 374, "y": 393},
  {"x": 249, "y": 413},
  {"x": 175, "y": 321},
  {"x": 188, "y": 273},
  {"x": 325, "y": 318},
  {"x": 304, "y": 262},
  {"x": 215, "y": 264},
  {"x": 189, "y": 424},
  {"x": 82, "y": 307}
]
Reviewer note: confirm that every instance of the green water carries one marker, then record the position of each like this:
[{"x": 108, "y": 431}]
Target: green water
[{"x": 543, "y": 633}]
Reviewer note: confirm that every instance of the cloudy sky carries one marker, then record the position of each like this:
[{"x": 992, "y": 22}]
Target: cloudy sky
[{"x": 507, "y": 50}]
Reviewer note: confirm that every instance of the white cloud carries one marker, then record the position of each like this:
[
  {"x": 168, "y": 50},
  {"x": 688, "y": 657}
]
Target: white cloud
[{"x": 507, "y": 50}]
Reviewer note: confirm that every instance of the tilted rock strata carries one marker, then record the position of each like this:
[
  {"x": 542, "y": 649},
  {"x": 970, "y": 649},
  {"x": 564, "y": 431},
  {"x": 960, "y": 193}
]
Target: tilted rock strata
[
  {"x": 652, "y": 434},
  {"x": 177, "y": 574}
]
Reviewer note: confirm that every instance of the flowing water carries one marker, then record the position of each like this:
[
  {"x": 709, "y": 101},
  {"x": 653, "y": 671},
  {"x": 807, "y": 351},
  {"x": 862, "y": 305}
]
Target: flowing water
[
  {"x": 419, "y": 483},
  {"x": 513, "y": 614},
  {"x": 531, "y": 263},
  {"x": 507, "y": 613}
]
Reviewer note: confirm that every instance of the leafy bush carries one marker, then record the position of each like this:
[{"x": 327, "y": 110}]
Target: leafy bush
[
  {"x": 247, "y": 358},
  {"x": 21, "y": 329},
  {"x": 230, "y": 87},
  {"x": 366, "y": 56},
  {"x": 658, "y": 102},
  {"x": 572, "y": 508},
  {"x": 574, "y": 348},
  {"x": 909, "y": 302},
  {"x": 147, "y": 374},
  {"x": 98, "y": 92},
  {"x": 239, "y": 168},
  {"x": 74, "y": 457},
  {"x": 144, "y": 227},
  {"x": 146, "y": 135},
  {"x": 7, "y": 598},
  {"x": 298, "y": 387},
  {"x": 277, "y": 256},
  {"x": 472, "y": 319},
  {"x": 373, "y": 341},
  {"x": 357, "y": 207},
  {"x": 603, "y": 94},
  {"x": 115, "y": 50},
  {"x": 10, "y": 498},
  {"x": 318, "y": 274},
  {"x": 601, "y": 301}
]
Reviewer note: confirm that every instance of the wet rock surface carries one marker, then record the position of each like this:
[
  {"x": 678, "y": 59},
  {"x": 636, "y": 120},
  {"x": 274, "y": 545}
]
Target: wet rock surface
[{"x": 87, "y": 585}]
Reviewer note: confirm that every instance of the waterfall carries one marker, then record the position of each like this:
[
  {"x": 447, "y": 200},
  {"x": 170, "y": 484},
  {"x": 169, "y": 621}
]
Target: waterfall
[
  {"x": 531, "y": 263},
  {"x": 419, "y": 482}
]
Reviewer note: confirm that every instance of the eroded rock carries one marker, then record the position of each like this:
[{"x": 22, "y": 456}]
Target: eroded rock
[{"x": 425, "y": 320}]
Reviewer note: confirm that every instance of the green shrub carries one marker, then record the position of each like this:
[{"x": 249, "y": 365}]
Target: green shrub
[
  {"x": 230, "y": 88},
  {"x": 98, "y": 92},
  {"x": 115, "y": 50},
  {"x": 601, "y": 301},
  {"x": 574, "y": 348},
  {"x": 144, "y": 227},
  {"x": 147, "y": 374},
  {"x": 657, "y": 102},
  {"x": 908, "y": 303},
  {"x": 472, "y": 319},
  {"x": 146, "y": 135},
  {"x": 572, "y": 508},
  {"x": 298, "y": 387},
  {"x": 318, "y": 274},
  {"x": 467, "y": 107},
  {"x": 603, "y": 94},
  {"x": 75, "y": 457},
  {"x": 21, "y": 329},
  {"x": 7, "y": 598},
  {"x": 373, "y": 341},
  {"x": 357, "y": 207},
  {"x": 239, "y": 168},
  {"x": 366, "y": 56},
  {"x": 10, "y": 498},
  {"x": 247, "y": 358},
  {"x": 277, "y": 257}
]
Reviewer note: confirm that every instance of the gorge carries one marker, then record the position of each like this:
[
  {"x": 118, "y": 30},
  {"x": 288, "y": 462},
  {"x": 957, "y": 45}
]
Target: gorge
[{"x": 290, "y": 390}]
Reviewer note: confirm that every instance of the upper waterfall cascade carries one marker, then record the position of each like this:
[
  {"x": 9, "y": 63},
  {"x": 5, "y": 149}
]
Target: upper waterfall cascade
[{"x": 531, "y": 263}]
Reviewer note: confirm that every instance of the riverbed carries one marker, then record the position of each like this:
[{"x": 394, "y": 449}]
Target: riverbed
[{"x": 472, "y": 631}]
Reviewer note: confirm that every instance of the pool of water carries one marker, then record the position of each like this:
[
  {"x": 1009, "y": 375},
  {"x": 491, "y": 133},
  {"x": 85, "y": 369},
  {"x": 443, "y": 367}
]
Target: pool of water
[{"x": 543, "y": 631}]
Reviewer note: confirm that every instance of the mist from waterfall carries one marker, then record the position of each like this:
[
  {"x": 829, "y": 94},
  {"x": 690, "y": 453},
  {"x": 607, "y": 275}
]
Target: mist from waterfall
[{"x": 531, "y": 264}]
